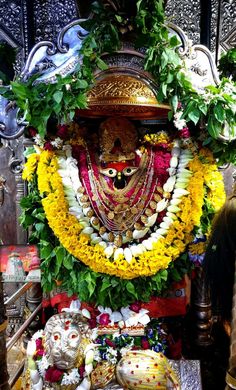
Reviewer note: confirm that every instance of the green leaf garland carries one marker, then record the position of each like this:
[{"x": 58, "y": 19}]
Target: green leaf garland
[{"x": 60, "y": 267}]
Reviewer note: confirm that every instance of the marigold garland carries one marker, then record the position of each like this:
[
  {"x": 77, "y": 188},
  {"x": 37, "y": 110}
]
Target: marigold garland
[
  {"x": 198, "y": 248},
  {"x": 68, "y": 230},
  {"x": 30, "y": 166}
]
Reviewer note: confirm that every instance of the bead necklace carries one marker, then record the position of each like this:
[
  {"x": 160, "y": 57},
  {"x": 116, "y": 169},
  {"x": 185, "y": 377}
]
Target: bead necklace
[{"x": 115, "y": 216}]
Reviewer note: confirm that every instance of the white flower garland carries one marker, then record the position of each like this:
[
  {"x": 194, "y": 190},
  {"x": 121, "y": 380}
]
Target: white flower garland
[{"x": 176, "y": 184}]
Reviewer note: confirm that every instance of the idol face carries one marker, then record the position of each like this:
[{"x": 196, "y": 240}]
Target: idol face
[
  {"x": 64, "y": 334},
  {"x": 64, "y": 343}
]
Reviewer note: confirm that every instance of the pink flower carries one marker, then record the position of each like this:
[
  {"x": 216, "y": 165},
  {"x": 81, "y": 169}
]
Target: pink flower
[
  {"x": 38, "y": 343},
  {"x": 53, "y": 374},
  {"x": 62, "y": 131},
  {"x": 162, "y": 160},
  {"x": 104, "y": 319},
  {"x": 179, "y": 105},
  {"x": 163, "y": 145},
  {"x": 184, "y": 133},
  {"x": 48, "y": 146},
  {"x": 39, "y": 353}
]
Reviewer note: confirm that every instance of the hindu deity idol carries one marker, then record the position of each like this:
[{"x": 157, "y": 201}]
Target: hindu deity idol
[
  {"x": 63, "y": 356},
  {"x": 122, "y": 183},
  {"x": 63, "y": 335},
  {"x": 58, "y": 353}
]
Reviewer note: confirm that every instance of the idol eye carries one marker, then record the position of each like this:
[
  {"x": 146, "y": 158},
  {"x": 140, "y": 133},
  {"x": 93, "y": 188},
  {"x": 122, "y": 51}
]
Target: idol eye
[
  {"x": 56, "y": 336},
  {"x": 129, "y": 171},
  {"x": 110, "y": 172},
  {"x": 73, "y": 335}
]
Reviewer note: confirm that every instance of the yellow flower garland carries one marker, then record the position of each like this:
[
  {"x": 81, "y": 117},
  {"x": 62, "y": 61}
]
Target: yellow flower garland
[
  {"x": 30, "y": 167},
  {"x": 68, "y": 230},
  {"x": 197, "y": 249}
]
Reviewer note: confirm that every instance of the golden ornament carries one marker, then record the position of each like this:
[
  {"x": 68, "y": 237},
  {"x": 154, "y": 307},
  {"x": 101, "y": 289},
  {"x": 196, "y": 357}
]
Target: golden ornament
[
  {"x": 144, "y": 219},
  {"x": 90, "y": 213},
  {"x": 148, "y": 212},
  {"x": 111, "y": 237},
  {"x": 102, "y": 230},
  {"x": 153, "y": 205},
  {"x": 111, "y": 215},
  {"x": 124, "y": 95},
  {"x": 157, "y": 197},
  {"x": 102, "y": 375},
  {"x": 118, "y": 240},
  {"x": 84, "y": 198}
]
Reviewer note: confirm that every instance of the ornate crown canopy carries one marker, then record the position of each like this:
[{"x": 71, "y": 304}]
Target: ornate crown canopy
[{"x": 126, "y": 95}]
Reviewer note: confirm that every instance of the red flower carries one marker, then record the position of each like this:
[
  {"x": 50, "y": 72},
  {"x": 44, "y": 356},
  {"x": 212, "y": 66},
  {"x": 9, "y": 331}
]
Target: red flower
[
  {"x": 62, "y": 131},
  {"x": 162, "y": 161},
  {"x": 110, "y": 343},
  {"x": 32, "y": 131},
  {"x": 136, "y": 306},
  {"x": 81, "y": 371},
  {"x": 104, "y": 319},
  {"x": 145, "y": 343},
  {"x": 92, "y": 323},
  {"x": 53, "y": 374},
  {"x": 48, "y": 146}
]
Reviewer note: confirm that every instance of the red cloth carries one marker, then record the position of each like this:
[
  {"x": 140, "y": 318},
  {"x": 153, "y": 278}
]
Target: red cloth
[
  {"x": 173, "y": 305},
  {"x": 61, "y": 300},
  {"x": 165, "y": 307}
]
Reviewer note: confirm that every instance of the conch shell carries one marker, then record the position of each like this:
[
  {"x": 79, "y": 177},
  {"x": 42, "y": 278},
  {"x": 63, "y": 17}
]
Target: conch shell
[{"x": 145, "y": 370}]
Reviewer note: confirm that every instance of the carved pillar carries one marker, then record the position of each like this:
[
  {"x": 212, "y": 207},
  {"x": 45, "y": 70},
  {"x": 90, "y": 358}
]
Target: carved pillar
[
  {"x": 3, "y": 354},
  {"x": 33, "y": 299},
  {"x": 202, "y": 310},
  {"x": 16, "y": 166},
  {"x": 231, "y": 375},
  {"x": 21, "y": 234}
]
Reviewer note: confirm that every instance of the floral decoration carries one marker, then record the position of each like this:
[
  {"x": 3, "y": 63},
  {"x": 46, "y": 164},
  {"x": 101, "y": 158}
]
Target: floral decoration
[
  {"x": 105, "y": 347},
  {"x": 112, "y": 347},
  {"x": 169, "y": 243},
  {"x": 200, "y": 179},
  {"x": 41, "y": 370},
  {"x": 192, "y": 190}
]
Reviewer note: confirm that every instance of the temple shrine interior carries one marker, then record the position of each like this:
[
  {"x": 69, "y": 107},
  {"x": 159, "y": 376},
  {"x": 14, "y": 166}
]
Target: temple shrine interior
[{"x": 117, "y": 195}]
